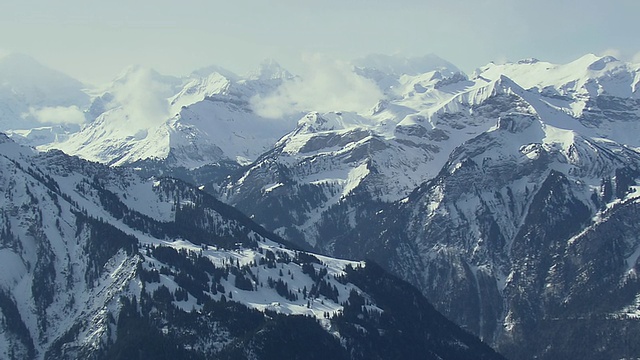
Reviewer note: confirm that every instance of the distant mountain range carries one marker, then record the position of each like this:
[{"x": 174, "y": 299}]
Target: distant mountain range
[{"x": 507, "y": 197}]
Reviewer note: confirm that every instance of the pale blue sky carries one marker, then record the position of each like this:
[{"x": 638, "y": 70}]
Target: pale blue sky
[{"x": 95, "y": 40}]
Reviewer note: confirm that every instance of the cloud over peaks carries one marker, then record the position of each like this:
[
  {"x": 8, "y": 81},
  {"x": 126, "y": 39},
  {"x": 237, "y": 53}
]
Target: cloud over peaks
[
  {"x": 143, "y": 94},
  {"x": 58, "y": 115},
  {"x": 325, "y": 85}
]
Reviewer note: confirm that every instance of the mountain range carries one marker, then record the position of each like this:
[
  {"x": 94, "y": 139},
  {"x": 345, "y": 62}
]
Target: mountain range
[
  {"x": 99, "y": 263},
  {"x": 507, "y": 197}
]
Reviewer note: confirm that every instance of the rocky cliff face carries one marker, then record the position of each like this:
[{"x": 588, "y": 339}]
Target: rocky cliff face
[
  {"x": 519, "y": 226},
  {"x": 521, "y": 242}
]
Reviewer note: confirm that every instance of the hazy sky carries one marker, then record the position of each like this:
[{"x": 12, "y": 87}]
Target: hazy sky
[{"x": 94, "y": 40}]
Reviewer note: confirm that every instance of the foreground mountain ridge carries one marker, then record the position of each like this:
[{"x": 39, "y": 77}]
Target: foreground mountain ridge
[{"x": 102, "y": 264}]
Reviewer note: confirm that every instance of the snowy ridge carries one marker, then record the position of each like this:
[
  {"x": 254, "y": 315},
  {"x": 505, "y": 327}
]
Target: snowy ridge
[
  {"x": 588, "y": 75},
  {"x": 389, "y": 72},
  {"x": 199, "y": 89},
  {"x": 95, "y": 300},
  {"x": 600, "y": 92},
  {"x": 216, "y": 106},
  {"x": 523, "y": 183},
  {"x": 491, "y": 194},
  {"x": 191, "y": 122},
  {"x": 95, "y": 252},
  {"x": 391, "y": 155},
  {"x": 264, "y": 297},
  {"x": 32, "y": 95}
]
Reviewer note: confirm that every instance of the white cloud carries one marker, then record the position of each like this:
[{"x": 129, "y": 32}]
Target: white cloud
[
  {"x": 58, "y": 115},
  {"x": 143, "y": 97},
  {"x": 612, "y": 52},
  {"x": 636, "y": 58},
  {"x": 326, "y": 85}
]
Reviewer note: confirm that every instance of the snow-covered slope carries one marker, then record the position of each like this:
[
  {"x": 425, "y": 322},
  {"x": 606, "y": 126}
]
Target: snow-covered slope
[
  {"x": 99, "y": 263},
  {"x": 407, "y": 138},
  {"x": 493, "y": 182},
  {"x": 601, "y": 91},
  {"x": 202, "y": 119},
  {"x": 511, "y": 239},
  {"x": 386, "y": 70},
  {"x": 491, "y": 193},
  {"x": 381, "y": 156}
]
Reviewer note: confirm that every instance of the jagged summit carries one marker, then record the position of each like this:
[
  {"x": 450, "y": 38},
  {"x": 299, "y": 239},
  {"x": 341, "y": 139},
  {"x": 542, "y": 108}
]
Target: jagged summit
[
  {"x": 269, "y": 69},
  {"x": 188, "y": 122},
  {"x": 131, "y": 73},
  {"x": 387, "y": 71},
  {"x": 27, "y": 88},
  {"x": 399, "y": 65},
  {"x": 589, "y": 74},
  {"x": 21, "y": 68},
  {"x": 412, "y": 87},
  {"x": 213, "y": 69},
  {"x": 462, "y": 178}
]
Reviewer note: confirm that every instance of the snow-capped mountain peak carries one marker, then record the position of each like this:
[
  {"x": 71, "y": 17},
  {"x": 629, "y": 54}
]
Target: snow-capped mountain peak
[
  {"x": 399, "y": 65},
  {"x": 33, "y": 95},
  {"x": 23, "y": 70},
  {"x": 269, "y": 69},
  {"x": 198, "y": 89},
  {"x": 188, "y": 122},
  {"x": 590, "y": 75}
]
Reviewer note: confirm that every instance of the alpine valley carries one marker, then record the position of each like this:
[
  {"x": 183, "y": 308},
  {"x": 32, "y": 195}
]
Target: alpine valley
[{"x": 509, "y": 198}]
